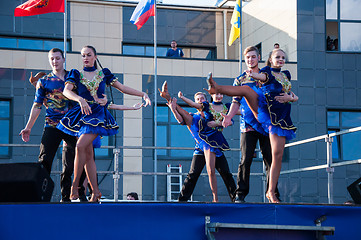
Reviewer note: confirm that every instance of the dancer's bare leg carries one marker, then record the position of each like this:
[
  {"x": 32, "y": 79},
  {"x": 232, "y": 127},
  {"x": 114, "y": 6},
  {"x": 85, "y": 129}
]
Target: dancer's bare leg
[
  {"x": 165, "y": 94},
  {"x": 242, "y": 91},
  {"x": 278, "y": 146},
  {"x": 211, "y": 170},
  {"x": 83, "y": 155}
]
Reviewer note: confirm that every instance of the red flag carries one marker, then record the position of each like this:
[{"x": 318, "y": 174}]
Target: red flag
[{"x": 36, "y": 7}]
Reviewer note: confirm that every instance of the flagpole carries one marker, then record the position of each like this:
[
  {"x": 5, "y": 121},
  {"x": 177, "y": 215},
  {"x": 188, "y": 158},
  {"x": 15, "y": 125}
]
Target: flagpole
[
  {"x": 155, "y": 100},
  {"x": 65, "y": 31},
  {"x": 240, "y": 37}
]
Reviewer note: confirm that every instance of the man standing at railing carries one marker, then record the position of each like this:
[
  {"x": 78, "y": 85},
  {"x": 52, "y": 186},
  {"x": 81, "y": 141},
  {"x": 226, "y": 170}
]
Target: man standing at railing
[
  {"x": 49, "y": 92},
  {"x": 174, "y": 52},
  {"x": 249, "y": 135}
]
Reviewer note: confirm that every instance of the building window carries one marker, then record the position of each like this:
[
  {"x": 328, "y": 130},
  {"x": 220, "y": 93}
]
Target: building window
[
  {"x": 5, "y": 127},
  {"x": 142, "y": 50},
  {"x": 148, "y": 50},
  {"x": 32, "y": 43},
  {"x": 259, "y": 47},
  {"x": 171, "y": 134},
  {"x": 344, "y": 147},
  {"x": 343, "y": 25}
]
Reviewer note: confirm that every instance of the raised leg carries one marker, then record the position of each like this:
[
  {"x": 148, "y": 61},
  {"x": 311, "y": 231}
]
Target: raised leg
[{"x": 242, "y": 91}]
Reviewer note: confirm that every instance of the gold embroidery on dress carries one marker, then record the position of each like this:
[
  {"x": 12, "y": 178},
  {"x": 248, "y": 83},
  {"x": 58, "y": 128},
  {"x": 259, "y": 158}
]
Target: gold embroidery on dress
[
  {"x": 92, "y": 85},
  {"x": 286, "y": 84},
  {"x": 218, "y": 118}
]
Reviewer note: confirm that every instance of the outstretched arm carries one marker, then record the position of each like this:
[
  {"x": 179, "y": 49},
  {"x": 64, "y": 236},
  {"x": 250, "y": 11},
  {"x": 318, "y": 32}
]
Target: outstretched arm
[
  {"x": 173, "y": 107},
  {"x": 189, "y": 102},
  {"x": 34, "y": 114},
  {"x": 123, "y": 107},
  {"x": 233, "y": 110},
  {"x": 131, "y": 91}
]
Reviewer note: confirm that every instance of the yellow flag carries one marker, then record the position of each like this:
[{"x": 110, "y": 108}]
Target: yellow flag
[{"x": 236, "y": 23}]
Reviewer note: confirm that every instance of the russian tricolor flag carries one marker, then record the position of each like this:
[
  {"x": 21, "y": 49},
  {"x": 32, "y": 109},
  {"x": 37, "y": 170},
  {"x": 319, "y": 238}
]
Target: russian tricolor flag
[{"x": 142, "y": 12}]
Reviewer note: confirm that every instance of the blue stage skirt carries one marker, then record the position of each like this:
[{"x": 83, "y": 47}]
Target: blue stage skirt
[{"x": 100, "y": 122}]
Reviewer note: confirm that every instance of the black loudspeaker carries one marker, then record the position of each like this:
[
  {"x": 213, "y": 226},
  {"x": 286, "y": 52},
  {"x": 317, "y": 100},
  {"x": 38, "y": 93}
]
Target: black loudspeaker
[
  {"x": 355, "y": 191},
  {"x": 25, "y": 182}
]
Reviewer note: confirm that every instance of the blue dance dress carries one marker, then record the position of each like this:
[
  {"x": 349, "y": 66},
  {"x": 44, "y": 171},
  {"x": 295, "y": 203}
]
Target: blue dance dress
[
  {"x": 212, "y": 138},
  {"x": 278, "y": 114},
  {"x": 199, "y": 127},
  {"x": 100, "y": 121}
]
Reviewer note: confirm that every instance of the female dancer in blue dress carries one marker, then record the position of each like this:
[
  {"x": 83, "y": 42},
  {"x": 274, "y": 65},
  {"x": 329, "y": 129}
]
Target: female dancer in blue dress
[
  {"x": 212, "y": 141},
  {"x": 275, "y": 117},
  {"x": 90, "y": 117}
]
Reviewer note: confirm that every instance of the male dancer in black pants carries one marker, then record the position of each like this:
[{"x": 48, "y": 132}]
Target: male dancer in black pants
[
  {"x": 249, "y": 135},
  {"x": 49, "y": 92},
  {"x": 198, "y": 160}
]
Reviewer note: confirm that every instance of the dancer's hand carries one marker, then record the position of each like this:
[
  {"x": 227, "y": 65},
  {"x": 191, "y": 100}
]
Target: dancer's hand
[
  {"x": 180, "y": 94},
  {"x": 227, "y": 120},
  {"x": 249, "y": 72},
  {"x": 284, "y": 98},
  {"x": 102, "y": 101},
  {"x": 212, "y": 124},
  {"x": 85, "y": 108},
  {"x": 25, "y": 134},
  {"x": 147, "y": 100},
  {"x": 172, "y": 104},
  {"x": 138, "y": 106}
]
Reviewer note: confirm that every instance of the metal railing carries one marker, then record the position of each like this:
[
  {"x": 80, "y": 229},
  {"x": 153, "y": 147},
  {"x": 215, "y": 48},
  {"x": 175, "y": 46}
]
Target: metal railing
[{"x": 329, "y": 166}]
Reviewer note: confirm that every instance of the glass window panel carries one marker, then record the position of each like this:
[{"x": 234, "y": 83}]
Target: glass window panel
[
  {"x": 331, "y": 9},
  {"x": 8, "y": 42},
  {"x": 161, "y": 51},
  {"x": 332, "y": 36},
  {"x": 199, "y": 53},
  {"x": 351, "y": 119},
  {"x": 350, "y": 34},
  {"x": 133, "y": 50},
  {"x": 162, "y": 114},
  {"x": 351, "y": 146},
  {"x": 335, "y": 147},
  {"x": 333, "y": 119},
  {"x": 4, "y": 109},
  {"x": 55, "y": 44},
  {"x": 350, "y": 9},
  {"x": 161, "y": 140},
  {"x": 4, "y": 136},
  {"x": 30, "y": 44},
  {"x": 181, "y": 137}
]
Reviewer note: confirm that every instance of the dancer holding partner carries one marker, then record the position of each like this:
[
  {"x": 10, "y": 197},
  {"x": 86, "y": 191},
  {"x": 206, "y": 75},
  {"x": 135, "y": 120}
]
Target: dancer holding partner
[
  {"x": 89, "y": 119},
  {"x": 193, "y": 122},
  {"x": 213, "y": 142},
  {"x": 275, "y": 115},
  {"x": 251, "y": 130}
]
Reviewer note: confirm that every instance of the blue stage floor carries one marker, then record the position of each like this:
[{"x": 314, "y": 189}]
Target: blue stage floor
[{"x": 149, "y": 220}]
